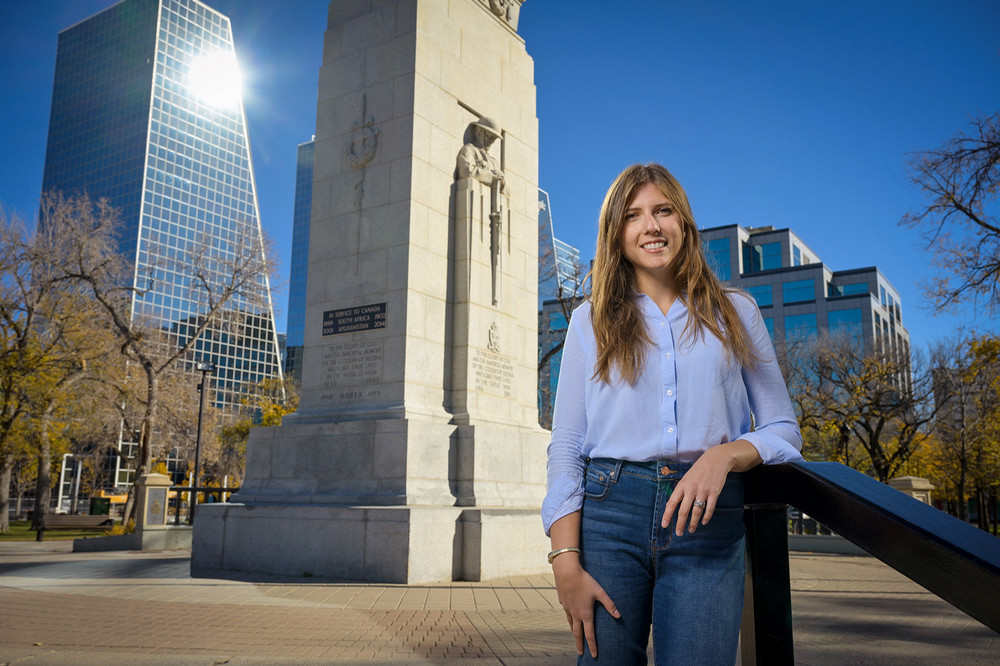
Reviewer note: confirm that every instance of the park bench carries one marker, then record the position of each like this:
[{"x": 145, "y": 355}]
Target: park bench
[{"x": 65, "y": 521}]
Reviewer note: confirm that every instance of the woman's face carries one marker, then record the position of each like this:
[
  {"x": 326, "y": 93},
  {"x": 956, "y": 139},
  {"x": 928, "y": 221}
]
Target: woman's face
[{"x": 652, "y": 235}]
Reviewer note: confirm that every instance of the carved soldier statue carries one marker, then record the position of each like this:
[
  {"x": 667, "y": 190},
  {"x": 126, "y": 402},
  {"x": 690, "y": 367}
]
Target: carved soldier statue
[{"x": 475, "y": 161}]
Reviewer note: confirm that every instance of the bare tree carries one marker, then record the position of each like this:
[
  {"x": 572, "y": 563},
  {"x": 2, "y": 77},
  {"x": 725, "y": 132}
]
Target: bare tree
[
  {"x": 224, "y": 283},
  {"x": 961, "y": 181},
  {"x": 827, "y": 435}
]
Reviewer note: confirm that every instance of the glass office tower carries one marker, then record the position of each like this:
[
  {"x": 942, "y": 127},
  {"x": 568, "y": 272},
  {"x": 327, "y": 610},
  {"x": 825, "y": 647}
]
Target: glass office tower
[
  {"x": 560, "y": 289},
  {"x": 147, "y": 113},
  {"x": 296, "y": 322}
]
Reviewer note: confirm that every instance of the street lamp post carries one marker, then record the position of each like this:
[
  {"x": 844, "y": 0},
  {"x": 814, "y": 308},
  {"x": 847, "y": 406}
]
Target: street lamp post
[{"x": 205, "y": 368}]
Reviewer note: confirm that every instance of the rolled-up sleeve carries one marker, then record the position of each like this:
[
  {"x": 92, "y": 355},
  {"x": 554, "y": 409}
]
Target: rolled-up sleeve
[
  {"x": 569, "y": 427},
  {"x": 776, "y": 434}
]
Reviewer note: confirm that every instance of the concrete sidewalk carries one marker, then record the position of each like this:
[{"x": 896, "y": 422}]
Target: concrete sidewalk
[{"x": 59, "y": 607}]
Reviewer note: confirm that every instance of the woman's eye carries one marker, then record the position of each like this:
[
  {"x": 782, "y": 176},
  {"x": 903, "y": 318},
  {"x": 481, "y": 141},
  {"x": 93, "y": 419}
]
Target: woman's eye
[{"x": 666, "y": 210}]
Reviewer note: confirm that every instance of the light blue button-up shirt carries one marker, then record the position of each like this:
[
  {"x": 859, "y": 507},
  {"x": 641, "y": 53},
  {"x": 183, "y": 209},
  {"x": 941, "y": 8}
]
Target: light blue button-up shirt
[{"x": 690, "y": 395}]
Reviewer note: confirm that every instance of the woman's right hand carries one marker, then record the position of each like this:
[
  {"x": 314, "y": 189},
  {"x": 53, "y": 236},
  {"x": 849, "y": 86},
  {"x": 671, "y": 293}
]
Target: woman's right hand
[{"x": 578, "y": 592}]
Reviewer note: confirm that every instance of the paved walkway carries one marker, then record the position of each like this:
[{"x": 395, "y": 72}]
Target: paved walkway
[{"x": 59, "y": 607}]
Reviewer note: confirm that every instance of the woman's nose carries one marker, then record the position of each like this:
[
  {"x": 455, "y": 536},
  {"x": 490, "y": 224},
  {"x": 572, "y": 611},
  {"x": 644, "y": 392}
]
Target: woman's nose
[{"x": 651, "y": 225}]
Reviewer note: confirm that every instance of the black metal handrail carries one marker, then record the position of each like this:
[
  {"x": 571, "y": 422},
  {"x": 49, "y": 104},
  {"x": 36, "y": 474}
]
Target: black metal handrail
[
  {"x": 952, "y": 559},
  {"x": 207, "y": 490}
]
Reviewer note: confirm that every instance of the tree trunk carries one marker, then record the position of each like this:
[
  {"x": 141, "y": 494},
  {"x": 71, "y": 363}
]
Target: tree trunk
[
  {"x": 993, "y": 511},
  {"x": 982, "y": 520},
  {"x": 146, "y": 428},
  {"x": 6, "y": 469},
  {"x": 43, "y": 483},
  {"x": 149, "y": 421}
]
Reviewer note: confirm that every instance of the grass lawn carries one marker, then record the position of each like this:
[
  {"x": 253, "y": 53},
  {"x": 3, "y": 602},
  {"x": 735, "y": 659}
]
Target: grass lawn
[{"x": 20, "y": 530}]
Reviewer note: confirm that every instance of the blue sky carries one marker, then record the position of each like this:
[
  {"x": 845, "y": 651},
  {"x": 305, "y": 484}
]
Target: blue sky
[{"x": 794, "y": 114}]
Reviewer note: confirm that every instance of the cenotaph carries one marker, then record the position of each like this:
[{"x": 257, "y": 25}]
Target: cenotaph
[{"x": 416, "y": 454}]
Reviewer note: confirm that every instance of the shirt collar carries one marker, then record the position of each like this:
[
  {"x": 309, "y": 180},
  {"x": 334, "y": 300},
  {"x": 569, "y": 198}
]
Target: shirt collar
[{"x": 678, "y": 310}]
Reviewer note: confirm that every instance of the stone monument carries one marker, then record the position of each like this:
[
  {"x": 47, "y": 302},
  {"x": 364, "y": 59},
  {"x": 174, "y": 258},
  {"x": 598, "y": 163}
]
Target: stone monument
[{"x": 416, "y": 454}]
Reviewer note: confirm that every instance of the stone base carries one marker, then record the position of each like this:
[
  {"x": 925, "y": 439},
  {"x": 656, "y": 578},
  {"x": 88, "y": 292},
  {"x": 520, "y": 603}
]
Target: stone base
[
  {"x": 403, "y": 500},
  {"x": 404, "y": 544},
  {"x": 168, "y": 537}
]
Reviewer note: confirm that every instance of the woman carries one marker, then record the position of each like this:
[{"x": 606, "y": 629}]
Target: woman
[{"x": 662, "y": 372}]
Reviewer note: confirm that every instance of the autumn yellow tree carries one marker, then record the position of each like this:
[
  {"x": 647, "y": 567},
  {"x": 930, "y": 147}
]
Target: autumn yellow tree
[
  {"x": 53, "y": 342},
  {"x": 966, "y": 457},
  {"x": 270, "y": 401}
]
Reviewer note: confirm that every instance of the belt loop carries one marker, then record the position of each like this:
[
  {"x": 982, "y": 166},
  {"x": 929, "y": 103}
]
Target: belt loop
[{"x": 616, "y": 472}]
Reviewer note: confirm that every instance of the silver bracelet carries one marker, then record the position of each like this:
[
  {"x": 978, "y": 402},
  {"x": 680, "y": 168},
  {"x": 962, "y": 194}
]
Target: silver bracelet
[{"x": 556, "y": 553}]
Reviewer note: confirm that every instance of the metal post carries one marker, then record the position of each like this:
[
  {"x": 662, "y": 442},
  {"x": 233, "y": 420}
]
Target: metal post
[
  {"x": 75, "y": 501},
  {"x": 62, "y": 482},
  {"x": 205, "y": 369},
  {"x": 767, "y": 614}
]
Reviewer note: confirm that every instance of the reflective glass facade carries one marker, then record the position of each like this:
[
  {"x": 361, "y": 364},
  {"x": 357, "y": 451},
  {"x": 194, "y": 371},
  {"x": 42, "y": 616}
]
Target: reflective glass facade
[
  {"x": 762, "y": 293},
  {"x": 798, "y": 291},
  {"x": 717, "y": 255},
  {"x": 560, "y": 276},
  {"x": 846, "y": 322},
  {"x": 137, "y": 118},
  {"x": 761, "y": 257},
  {"x": 296, "y": 322},
  {"x": 800, "y": 325}
]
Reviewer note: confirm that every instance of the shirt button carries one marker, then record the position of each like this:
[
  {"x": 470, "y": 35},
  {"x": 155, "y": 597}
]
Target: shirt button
[
  {"x": 662, "y": 324},
  {"x": 670, "y": 392},
  {"x": 670, "y": 429},
  {"x": 668, "y": 354}
]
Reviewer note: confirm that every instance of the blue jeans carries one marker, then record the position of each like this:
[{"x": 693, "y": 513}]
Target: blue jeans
[{"x": 689, "y": 588}]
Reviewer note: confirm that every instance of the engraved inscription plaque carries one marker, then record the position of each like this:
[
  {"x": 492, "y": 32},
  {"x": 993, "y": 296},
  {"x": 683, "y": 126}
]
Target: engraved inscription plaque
[
  {"x": 156, "y": 506},
  {"x": 354, "y": 320},
  {"x": 349, "y": 365},
  {"x": 493, "y": 373}
]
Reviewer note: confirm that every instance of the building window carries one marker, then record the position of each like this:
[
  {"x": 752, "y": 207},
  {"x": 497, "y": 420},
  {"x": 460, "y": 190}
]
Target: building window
[
  {"x": 881, "y": 291},
  {"x": 761, "y": 257},
  {"x": 852, "y": 289},
  {"x": 717, "y": 255},
  {"x": 762, "y": 294},
  {"x": 800, "y": 326},
  {"x": 796, "y": 256},
  {"x": 798, "y": 291},
  {"x": 845, "y": 322}
]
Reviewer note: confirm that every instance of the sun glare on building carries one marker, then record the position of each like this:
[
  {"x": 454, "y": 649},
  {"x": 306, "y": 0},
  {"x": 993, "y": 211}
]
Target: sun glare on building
[{"x": 215, "y": 79}]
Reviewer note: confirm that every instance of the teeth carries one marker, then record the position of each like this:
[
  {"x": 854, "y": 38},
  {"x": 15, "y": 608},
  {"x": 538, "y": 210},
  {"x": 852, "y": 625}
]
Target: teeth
[{"x": 655, "y": 246}]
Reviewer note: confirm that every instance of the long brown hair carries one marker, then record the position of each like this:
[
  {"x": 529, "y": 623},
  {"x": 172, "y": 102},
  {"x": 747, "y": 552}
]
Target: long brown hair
[{"x": 615, "y": 313}]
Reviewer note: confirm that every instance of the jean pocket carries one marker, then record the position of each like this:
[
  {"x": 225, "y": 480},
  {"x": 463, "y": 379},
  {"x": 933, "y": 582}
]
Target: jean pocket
[{"x": 597, "y": 482}]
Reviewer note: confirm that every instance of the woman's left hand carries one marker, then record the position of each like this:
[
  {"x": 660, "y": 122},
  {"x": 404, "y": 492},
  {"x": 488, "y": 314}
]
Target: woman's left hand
[{"x": 695, "y": 495}]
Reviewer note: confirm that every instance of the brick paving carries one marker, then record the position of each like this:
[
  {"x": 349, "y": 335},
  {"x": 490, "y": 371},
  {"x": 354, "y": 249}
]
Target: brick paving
[{"x": 58, "y": 607}]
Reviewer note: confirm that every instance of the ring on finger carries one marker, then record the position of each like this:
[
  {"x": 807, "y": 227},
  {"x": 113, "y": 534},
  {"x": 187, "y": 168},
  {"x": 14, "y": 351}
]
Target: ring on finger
[{"x": 699, "y": 503}]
